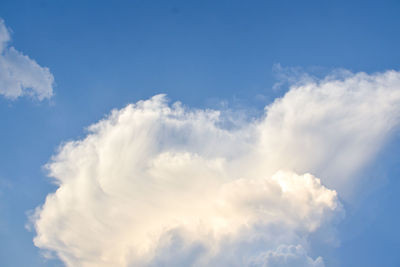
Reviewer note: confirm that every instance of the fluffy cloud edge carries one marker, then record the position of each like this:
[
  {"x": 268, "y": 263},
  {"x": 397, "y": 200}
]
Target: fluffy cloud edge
[
  {"x": 21, "y": 75},
  {"x": 151, "y": 179}
]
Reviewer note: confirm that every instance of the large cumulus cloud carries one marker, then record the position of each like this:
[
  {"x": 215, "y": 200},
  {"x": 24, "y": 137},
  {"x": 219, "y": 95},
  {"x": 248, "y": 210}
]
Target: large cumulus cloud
[
  {"x": 160, "y": 185},
  {"x": 19, "y": 74}
]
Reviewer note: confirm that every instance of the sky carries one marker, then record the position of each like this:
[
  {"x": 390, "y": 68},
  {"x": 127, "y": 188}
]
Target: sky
[{"x": 199, "y": 133}]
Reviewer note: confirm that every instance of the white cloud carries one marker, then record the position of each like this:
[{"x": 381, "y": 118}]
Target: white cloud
[
  {"x": 159, "y": 185},
  {"x": 287, "y": 256},
  {"x": 20, "y": 75},
  {"x": 331, "y": 128}
]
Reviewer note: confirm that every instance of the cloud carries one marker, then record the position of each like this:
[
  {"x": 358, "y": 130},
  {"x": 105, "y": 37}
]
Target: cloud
[
  {"x": 20, "y": 75},
  {"x": 287, "y": 256},
  {"x": 332, "y": 127},
  {"x": 160, "y": 185}
]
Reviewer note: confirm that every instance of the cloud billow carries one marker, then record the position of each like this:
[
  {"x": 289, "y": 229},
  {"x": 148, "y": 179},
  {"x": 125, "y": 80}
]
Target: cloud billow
[
  {"x": 21, "y": 75},
  {"x": 155, "y": 184}
]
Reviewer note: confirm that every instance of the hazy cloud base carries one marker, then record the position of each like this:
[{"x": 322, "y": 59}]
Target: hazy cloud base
[
  {"x": 160, "y": 185},
  {"x": 20, "y": 75}
]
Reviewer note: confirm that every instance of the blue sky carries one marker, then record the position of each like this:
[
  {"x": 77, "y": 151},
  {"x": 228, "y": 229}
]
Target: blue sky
[{"x": 205, "y": 54}]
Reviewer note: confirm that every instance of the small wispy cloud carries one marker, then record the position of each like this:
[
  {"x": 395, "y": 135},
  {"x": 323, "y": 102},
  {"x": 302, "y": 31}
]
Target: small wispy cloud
[
  {"x": 19, "y": 74},
  {"x": 160, "y": 185}
]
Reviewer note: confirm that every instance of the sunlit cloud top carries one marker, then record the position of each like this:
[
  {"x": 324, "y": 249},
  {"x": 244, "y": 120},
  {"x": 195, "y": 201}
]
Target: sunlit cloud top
[{"x": 155, "y": 184}]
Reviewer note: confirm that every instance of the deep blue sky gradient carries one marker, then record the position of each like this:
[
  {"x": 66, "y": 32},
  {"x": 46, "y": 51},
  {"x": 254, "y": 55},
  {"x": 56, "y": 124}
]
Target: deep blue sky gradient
[{"x": 105, "y": 54}]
